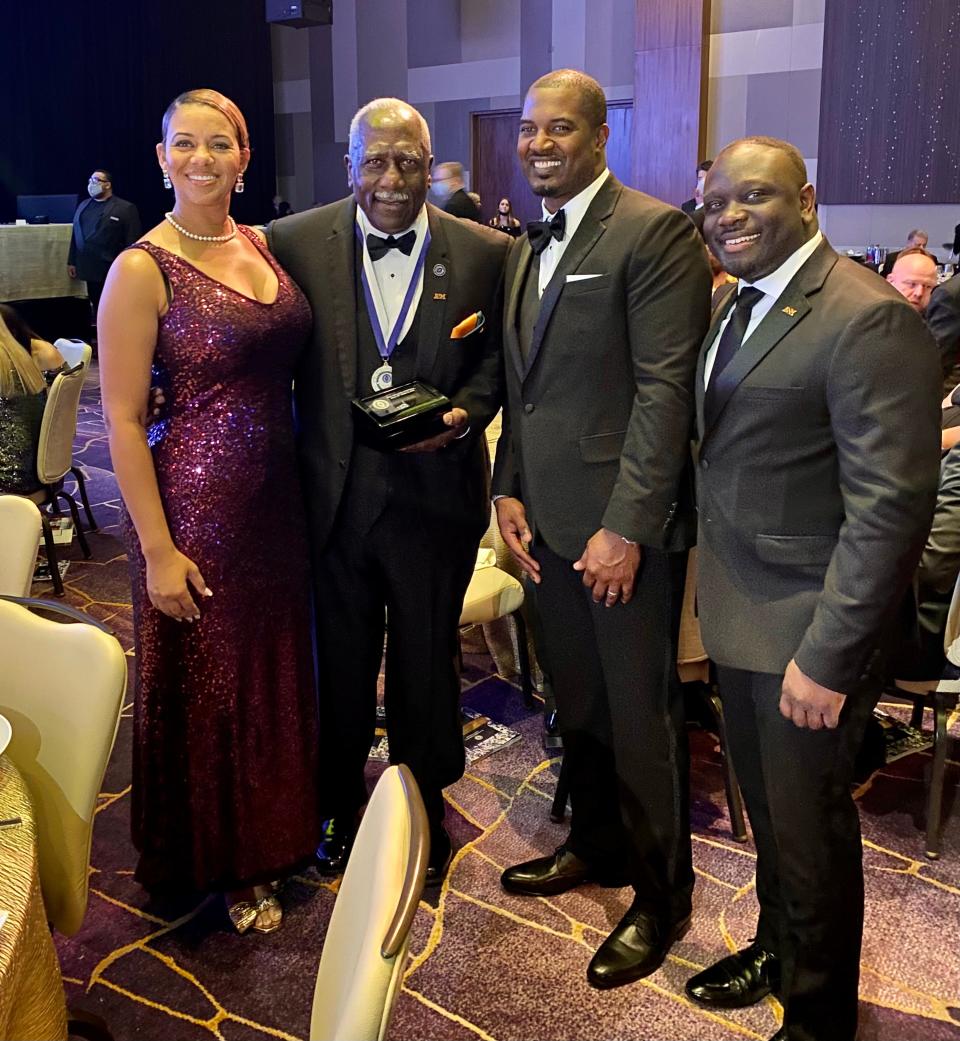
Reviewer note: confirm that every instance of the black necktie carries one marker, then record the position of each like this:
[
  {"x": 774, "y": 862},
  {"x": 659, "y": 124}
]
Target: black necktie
[
  {"x": 730, "y": 341},
  {"x": 541, "y": 231},
  {"x": 379, "y": 247}
]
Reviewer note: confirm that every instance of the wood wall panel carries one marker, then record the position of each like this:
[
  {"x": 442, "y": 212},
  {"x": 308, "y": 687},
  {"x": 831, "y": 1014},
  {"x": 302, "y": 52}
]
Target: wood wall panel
[
  {"x": 496, "y": 169},
  {"x": 669, "y": 99},
  {"x": 889, "y": 116}
]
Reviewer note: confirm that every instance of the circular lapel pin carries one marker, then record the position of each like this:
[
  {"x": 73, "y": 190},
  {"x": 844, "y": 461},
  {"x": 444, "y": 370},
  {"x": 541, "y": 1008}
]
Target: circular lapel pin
[{"x": 439, "y": 270}]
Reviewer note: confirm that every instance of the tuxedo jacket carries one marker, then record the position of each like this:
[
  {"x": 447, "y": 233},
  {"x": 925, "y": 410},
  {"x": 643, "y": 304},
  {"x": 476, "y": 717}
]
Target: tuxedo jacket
[
  {"x": 461, "y": 205},
  {"x": 943, "y": 320},
  {"x": 117, "y": 228},
  {"x": 817, "y": 475},
  {"x": 599, "y": 416},
  {"x": 463, "y": 274}
]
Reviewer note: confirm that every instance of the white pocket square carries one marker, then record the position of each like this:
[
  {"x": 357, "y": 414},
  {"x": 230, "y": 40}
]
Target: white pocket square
[
  {"x": 114, "y": 218},
  {"x": 581, "y": 278}
]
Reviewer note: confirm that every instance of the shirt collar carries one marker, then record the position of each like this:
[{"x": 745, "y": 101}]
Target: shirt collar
[
  {"x": 420, "y": 226},
  {"x": 775, "y": 283},
  {"x": 577, "y": 207}
]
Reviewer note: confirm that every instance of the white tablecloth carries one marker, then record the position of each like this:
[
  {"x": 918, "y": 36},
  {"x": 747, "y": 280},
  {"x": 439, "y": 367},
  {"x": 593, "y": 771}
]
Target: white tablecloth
[{"x": 33, "y": 262}]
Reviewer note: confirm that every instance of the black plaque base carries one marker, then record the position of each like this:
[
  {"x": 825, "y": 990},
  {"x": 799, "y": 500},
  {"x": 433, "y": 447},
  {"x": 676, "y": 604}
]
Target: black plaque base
[{"x": 401, "y": 416}]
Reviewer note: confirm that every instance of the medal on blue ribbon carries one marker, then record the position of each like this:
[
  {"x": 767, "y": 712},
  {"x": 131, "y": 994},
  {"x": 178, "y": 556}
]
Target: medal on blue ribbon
[{"x": 382, "y": 378}]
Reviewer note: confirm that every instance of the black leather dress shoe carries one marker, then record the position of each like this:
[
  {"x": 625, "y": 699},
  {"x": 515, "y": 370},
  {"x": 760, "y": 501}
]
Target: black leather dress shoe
[
  {"x": 736, "y": 981},
  {"x": 334, "y": 849},
  {"x": 636, "y": 948},
  {"x": 562, "y": 870},
  {"x": 441, "y": 853}
]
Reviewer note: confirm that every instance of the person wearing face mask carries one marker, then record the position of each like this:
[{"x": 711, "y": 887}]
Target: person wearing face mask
[
  {"x": 448, "y": 185},
  {"x": 103, "y": 226}
]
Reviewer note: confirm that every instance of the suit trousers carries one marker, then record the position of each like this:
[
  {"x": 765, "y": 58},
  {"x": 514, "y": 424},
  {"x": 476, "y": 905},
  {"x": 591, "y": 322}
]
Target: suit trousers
[
  {"x": 403, "y": 577},
  {"x": 620, "y": 711},
  {"x": 797, "y": 787}
]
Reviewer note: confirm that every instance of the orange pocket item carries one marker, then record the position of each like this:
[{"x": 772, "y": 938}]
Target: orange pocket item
[{"x": 469, "y": 325}]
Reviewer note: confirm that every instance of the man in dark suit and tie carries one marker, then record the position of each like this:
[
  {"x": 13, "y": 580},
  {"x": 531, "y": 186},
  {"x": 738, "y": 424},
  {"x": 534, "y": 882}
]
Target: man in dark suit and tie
[
  {"x": 943, "y": 320},
  {"x": 103, "y": 226},
  {"x": 400, "y": 291},
  {"x": 607, "y": 300},
  {"x": 817, "y": 474}
]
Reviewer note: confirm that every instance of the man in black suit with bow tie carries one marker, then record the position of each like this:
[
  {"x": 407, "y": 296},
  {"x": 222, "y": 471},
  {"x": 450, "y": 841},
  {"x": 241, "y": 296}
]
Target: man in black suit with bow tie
[
  {"x": 398, "y": 289},
  {"x": 607, "y": 300},
  {"x": 817, "y": 475}
]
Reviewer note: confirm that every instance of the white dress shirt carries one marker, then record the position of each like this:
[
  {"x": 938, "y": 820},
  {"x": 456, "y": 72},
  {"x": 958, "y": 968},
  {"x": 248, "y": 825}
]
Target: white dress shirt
[
  {"x": 575, "y": 210},
  {"x": 771, "y": 286},
  {"x": 390, "y": 276}
]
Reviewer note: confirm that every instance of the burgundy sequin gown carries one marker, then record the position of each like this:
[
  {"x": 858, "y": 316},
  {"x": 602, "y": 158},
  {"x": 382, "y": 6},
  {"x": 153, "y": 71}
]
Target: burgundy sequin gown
[{"x": 225, "y": 724}]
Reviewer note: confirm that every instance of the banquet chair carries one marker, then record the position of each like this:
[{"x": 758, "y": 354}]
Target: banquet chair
[
  {"x": 20, "y": 530},
  {"x": 494, "y": 594},
  {"x": 365, "y": 949},
  {"x": 939, "y": 694},
  {"x": 55, "y": 460},
  {"x": 74, "y": 352},
  {"x": 62, "y": 689}
]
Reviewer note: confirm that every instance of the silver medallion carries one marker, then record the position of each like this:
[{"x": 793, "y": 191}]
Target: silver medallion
[
  {"x": 382, "y": 378},
  {"x": 439, "y": 270}
]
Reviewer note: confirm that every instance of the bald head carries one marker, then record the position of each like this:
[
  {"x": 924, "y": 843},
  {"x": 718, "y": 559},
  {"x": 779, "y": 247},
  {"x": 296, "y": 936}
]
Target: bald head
[
  {"x": 759, "y": 208},
  {"x": 914, "y": 276},
  {"x": 388, "y": 163}
]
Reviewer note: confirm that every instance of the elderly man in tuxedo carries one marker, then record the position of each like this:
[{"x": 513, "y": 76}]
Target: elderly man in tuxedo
[
  {"x": 817, "y": 474},
  {"x": 607, "y": 300},
  {"x": 400, "y": 291}
]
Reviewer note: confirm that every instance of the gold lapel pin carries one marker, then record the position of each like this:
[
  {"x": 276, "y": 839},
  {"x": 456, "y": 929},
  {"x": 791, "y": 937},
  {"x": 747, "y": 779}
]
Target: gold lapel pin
[
  {"x": 439, "y": 296},
  {"x": 790, "y": 311}
]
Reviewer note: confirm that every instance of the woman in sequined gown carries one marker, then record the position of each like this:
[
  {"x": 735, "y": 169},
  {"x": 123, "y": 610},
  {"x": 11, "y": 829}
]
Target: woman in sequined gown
[{"x": 225, "y": 723}]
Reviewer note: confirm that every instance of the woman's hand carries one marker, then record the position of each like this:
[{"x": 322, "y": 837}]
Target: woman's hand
[{"x": 169, "y": 577}]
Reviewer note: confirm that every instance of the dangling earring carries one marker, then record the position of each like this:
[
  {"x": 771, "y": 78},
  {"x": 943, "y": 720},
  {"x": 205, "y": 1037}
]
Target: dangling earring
[
  {"x": 166, "y": 179},
  {"x": 239, "y": 186}
]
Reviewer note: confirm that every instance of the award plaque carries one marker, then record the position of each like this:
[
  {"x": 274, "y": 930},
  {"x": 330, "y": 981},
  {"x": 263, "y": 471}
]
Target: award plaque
[{"x": 401, "y": 416}]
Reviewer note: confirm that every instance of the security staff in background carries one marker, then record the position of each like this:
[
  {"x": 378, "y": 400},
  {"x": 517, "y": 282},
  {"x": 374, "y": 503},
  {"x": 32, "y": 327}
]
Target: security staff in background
[{"x": 103, "y": 226}]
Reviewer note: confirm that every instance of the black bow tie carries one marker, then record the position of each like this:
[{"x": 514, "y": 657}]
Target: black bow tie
[
  {"x": 541, "y": 231},
  {"x": 379, "y": 247}
]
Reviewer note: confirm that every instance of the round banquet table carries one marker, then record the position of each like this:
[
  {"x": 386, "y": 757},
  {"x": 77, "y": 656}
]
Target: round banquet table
[{"x": 32, "y": 1002}]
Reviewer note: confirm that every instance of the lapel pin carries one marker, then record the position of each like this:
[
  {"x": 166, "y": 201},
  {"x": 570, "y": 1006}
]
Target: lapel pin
[
  {"x": 439, "y": 270},
  {"x": 790, "y": 311},
  {"x": 439, "y": 296}
]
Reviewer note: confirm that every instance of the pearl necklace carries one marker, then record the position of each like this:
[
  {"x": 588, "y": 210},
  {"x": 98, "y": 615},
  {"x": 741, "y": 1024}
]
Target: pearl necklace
[{"x": 204, "y": 238}]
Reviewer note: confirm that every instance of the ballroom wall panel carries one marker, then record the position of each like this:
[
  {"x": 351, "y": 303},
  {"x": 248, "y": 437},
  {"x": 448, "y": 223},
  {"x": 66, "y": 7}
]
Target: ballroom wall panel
[
  {"x": 85, "y": 87},
  {"x": 890, "y": 122}
]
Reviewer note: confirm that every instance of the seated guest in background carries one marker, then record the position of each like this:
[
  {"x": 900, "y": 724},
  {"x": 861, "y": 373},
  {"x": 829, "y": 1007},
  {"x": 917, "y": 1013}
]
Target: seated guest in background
[
  {"x": 696, "y": 203},
  {"x": 916, "y": 239},
  {"x": 595, "y": 453},
  {"x": 504, "y": 219},
  {"x": 225, "y": 756},
  {"x": 46, "y": 356},
  {"x": 938, "y": 569},
  {"x": 914, "y": 276},
  {"x": 814, "y": 504},
  {"x": 943, "y": 320},
  {"x": 103, "y": 226},
  {"x": 398, "y": 289},
  {"x": 447, "y": 183},
  {"x": 22, "y": 396}
]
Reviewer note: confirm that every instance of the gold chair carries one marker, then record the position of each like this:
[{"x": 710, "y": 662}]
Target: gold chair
[
  {"x": 940, "y": 695},
  {"x": 55, "y": 460},
  {"x": 364, "y": 952},
  {"x": 20, "y": 530},
  {"x": 62, "y": 688}
]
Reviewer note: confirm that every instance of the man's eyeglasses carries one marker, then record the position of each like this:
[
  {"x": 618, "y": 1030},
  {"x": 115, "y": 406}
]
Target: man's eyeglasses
[{"x": 98, "y": 180}]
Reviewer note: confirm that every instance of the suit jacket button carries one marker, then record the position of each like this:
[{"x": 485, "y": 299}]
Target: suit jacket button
[
  {"x": 343, "y": 464},
  {"x": 528, "y": 408},
  {"x": 705, "y": 463}
]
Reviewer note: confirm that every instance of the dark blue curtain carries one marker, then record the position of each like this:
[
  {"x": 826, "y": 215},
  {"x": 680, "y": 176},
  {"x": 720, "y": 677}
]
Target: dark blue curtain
[{"x": 85, "y": 85}]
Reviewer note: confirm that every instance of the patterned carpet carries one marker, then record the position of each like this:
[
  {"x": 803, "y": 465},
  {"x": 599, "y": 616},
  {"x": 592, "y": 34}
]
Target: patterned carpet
[{"x": 486, "y": 964}]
